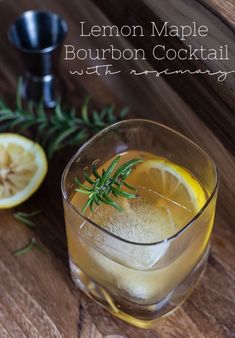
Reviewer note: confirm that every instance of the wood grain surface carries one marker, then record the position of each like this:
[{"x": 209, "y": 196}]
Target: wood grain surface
[
  {"x": 204, "y": 95},
  {"x": 223, "y": 8},
  {"x": 37, "y": 296}
]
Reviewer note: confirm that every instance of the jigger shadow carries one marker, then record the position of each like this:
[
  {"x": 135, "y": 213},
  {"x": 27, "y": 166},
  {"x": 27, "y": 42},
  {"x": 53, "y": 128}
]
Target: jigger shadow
[{"x": 38, "y": 35}]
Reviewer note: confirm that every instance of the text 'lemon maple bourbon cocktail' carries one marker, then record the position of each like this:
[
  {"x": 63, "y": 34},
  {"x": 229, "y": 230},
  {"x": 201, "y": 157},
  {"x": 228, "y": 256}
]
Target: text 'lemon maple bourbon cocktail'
[{"x": 139, "y": 203}]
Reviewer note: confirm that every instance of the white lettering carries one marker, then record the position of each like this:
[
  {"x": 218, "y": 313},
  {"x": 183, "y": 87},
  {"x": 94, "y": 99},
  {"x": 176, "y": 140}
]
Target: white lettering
[
  {"x": 71, "y": 51},
  {"x": 159, "y": 32},
  {"x": 202, "y": 30},
  {"x": 155, "y": 52}
]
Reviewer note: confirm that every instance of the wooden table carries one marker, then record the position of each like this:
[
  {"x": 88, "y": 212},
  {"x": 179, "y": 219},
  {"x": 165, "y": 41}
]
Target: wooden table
[{"x": 37, "y": 296}]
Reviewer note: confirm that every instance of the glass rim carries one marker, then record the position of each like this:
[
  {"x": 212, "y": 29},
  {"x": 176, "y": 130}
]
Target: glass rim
[{"x": 104, "y": 131}]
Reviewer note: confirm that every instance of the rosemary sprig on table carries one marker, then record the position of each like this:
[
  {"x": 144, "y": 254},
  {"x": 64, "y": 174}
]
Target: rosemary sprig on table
[
  {"x": 33, "y": 243},
  {"x": 26, "y": 218},
  {"x": 58, "y": 127},
  {"x": 101, "y": 186}
]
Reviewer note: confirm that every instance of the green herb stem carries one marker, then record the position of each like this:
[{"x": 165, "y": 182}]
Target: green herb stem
[
  {"x": 58, "y": 128},
  {"x": 25, "y": 217},
  {"x": 108, "y": 183},
  {"x": 29, "y": 247}
]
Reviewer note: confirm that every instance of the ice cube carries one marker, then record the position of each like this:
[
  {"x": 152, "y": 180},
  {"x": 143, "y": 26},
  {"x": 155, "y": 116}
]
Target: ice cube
[
  {"x": 134, "y": 268},
  {"x": 141, "y": 223}
]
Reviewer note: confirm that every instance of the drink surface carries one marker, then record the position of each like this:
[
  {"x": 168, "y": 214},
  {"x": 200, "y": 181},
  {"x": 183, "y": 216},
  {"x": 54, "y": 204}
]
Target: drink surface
[{"x": 168, "y": 198}]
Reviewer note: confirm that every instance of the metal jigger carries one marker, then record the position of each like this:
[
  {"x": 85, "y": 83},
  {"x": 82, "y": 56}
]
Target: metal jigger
[{"x": 38, "y": 36}]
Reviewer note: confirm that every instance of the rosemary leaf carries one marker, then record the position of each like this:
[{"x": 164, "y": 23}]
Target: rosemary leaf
[
  {"x": 29, "y": 247},
  {"x": 105, "y": 199},
  {"x": 57, "y": 142},
  {"x": 85, "y": 111},
  {"x": 24, "y": 220},
  {"x": 124, "y": 167},
  {"x": 83, "y": 191},
  {"x": 25, "y": 217},
  {"x": 82, "y": 185},
  {"x": 129, "y": 186},
  {"x": 34, "y": 213},
  {"x": 87, "y": 204},
  {"x": 38, "y": 245},
  {"x": 123, "y": 193},
  {"x": 87, "y": 178},
  {"x": 123, "y": 112},
  {"x": 107, "y": 173},
  {"x": 58, "y": 111}
]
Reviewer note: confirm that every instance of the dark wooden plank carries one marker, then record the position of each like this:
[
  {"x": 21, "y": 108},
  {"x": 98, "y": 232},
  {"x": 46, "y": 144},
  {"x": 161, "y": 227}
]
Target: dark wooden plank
[{"x": 204, "y": 95}]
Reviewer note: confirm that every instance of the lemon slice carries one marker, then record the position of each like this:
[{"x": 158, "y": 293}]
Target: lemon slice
[
  {"x": 23, "y": 166},
  {"x": 171, "y": 181}
]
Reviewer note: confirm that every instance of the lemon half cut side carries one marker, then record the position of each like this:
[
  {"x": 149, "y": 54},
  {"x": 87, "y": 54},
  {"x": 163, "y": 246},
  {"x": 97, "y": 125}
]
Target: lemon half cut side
[{"x": 23, "y": 167}]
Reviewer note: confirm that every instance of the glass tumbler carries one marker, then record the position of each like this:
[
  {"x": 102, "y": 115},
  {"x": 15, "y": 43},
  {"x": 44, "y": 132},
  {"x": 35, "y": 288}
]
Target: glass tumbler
[{"x": 104, "y": 265}]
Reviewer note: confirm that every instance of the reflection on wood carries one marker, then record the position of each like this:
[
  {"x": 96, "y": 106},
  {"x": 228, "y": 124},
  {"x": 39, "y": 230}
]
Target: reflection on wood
[{"x": 224, "y": 9}]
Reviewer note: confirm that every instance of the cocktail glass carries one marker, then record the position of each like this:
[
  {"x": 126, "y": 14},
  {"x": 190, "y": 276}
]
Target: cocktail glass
[{"x": 137, "y": 281}]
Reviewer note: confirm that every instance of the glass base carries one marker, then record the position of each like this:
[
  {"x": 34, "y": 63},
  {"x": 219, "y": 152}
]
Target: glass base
[{"x": 140, "y": 315}]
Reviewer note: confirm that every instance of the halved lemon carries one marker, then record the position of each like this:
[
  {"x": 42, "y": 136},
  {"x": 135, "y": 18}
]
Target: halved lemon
[{"x": 23, "y": 166}]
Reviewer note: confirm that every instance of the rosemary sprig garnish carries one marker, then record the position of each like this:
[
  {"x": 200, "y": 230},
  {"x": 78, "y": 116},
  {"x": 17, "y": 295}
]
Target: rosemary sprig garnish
[
  {"x": 59, "y": 127},
  {"x": 26, "y": 217},
  {"x": 33, "y": 243},
  {"x": 101, "y": 186}
]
